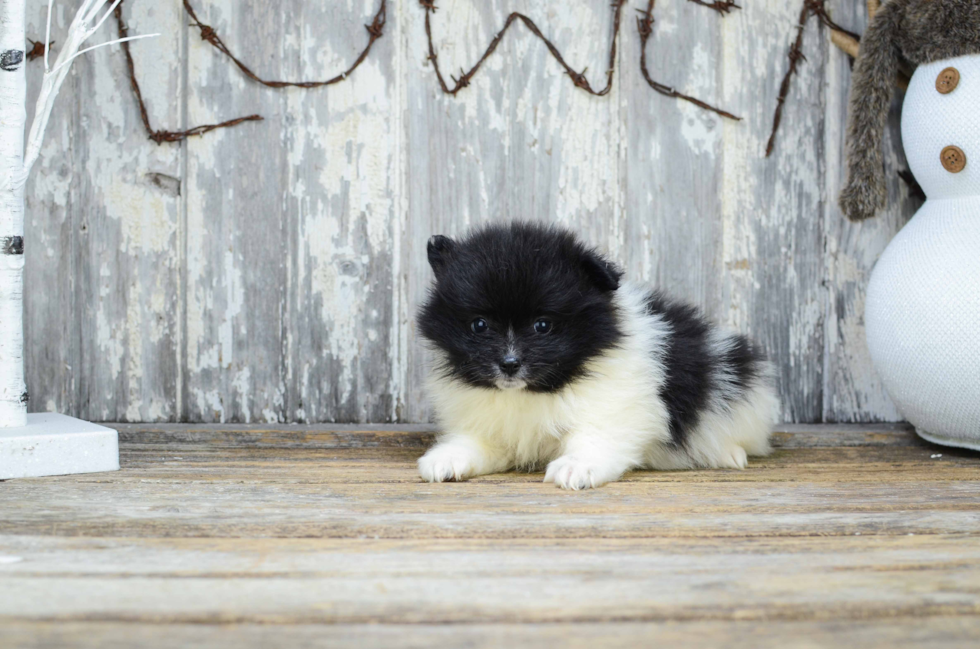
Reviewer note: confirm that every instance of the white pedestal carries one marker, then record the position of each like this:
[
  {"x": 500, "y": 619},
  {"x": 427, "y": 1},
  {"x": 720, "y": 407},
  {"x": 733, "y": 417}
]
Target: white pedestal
[{"x": 53, "y": 444}]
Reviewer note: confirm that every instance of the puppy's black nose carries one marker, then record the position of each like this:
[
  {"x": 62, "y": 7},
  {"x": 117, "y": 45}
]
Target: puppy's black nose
[{"x": 510, "y": 365}]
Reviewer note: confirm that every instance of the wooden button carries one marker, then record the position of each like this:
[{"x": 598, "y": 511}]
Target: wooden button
[
  {"x": 953, "y": 159},
  {"x": 947, "y": 81}
]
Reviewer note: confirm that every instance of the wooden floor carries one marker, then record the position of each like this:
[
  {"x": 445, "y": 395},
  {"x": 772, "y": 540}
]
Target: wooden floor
[{"x": 304, "y": 536}]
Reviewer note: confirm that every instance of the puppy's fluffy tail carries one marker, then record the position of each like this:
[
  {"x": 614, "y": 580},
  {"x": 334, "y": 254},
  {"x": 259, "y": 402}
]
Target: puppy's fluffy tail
[
  {"x": 745, "y": 404},
  {"x": 718, "y": 388}
]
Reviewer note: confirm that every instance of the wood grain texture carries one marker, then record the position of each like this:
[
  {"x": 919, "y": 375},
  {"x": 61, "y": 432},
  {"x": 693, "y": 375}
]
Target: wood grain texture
[
  {"x": 852, "y": 389},
  {"x": 850, "y": 536},
  {"x": 954, "y": 632},
  {"x": 673, "y": 196},
  {"x": 236, "y": 226},
  {"x": 102, "y": 313},
  {"x": 51, "y": 332},
  {"x": 271, "y": 272},
  {"x": 771, "y": 207},
  {"x": 340, "y": 212}
]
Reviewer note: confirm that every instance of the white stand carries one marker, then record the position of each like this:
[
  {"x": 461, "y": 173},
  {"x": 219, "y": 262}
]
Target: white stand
[{"x": 53, "y": 444}]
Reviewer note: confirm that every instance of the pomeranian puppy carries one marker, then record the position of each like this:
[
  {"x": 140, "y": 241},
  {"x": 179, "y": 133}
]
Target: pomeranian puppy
[{"x": 541, "y": 356}]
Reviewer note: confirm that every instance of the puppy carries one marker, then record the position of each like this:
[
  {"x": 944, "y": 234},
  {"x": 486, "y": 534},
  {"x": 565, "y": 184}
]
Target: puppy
[{"x": 541, "y": 356}]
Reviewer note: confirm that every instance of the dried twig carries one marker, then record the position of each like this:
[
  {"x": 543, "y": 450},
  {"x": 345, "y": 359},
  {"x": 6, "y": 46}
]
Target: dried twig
[
  {"x": 873, "y": 7},
  {"x": 37, "y": 49},
  {"x": 795, "y": 56},
  {"x": 578, "y": 78},
  {"x": 164, "y": 136},
  {"x": 721, "y": 6},
  {"x": 375, "y": 31},
  {"x": 847, "y": 44},
  {"x": 644, "y": 24}
]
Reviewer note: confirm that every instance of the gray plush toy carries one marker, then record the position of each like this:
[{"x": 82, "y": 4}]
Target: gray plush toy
[{"x": 921, "y": 31}]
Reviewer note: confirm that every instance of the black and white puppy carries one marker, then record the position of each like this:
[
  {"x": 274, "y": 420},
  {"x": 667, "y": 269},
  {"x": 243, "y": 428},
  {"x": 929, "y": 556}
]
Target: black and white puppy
[{"x": 543, "y": 357}]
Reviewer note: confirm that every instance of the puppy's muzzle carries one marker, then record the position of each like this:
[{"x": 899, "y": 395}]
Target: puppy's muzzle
[{"x": 510, "y": 365}]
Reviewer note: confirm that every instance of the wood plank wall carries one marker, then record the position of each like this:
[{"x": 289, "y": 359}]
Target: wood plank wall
[{"x": 270, "y": 272}]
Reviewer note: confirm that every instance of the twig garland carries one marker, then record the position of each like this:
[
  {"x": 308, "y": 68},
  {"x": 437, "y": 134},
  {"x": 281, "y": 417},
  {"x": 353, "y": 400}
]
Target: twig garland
[
  {"x": 375, "y": 31},
  {"x": 578, "y": 78},
  {"x": 164, "y": 136},
  {"x": 644, "y": 24}
]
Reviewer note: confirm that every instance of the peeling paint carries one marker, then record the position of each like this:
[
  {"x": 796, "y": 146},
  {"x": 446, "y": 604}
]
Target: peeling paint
[{"x": 272, "y": 274}]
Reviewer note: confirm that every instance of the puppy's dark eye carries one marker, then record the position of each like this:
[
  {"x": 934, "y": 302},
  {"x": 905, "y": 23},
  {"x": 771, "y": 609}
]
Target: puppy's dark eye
[
  {"x": 542, "y": 325},
  {"x": 479, "y": 326}
]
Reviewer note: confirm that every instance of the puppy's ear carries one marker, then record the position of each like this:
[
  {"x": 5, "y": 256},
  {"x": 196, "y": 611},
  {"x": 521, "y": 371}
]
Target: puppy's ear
[
  {"x": 603, "y": 273},
  {"x": 440, "y": 250}
]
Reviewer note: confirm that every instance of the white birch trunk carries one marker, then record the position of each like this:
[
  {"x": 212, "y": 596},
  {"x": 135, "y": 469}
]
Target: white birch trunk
[
  {"x": 14, "y": 169},
  {"x": 13, "y": 116}
]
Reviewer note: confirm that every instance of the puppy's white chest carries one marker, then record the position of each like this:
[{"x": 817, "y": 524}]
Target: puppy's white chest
[{"x": 527, "y": 425}]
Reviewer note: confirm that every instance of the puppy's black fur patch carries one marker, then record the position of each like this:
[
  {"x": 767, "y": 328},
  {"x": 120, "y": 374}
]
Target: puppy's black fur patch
[
  {"x": 512, "y": 276},
  {"x": 696, "y": 373},
  {"x": 687, "y": 387}
]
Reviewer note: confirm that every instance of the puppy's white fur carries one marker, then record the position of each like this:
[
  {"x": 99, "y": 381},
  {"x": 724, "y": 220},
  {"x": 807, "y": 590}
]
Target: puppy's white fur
[{"x": 600, "y": 426}]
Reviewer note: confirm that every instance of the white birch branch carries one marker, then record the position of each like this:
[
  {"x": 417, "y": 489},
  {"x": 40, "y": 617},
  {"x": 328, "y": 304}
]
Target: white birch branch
[{"x": 80, "y": 31}]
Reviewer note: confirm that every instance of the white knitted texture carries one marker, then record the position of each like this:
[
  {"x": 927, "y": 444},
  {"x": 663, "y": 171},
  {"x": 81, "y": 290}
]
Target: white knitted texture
[
  {"x": 932, "y": 121},
  {"x": 922, "y": 314}
]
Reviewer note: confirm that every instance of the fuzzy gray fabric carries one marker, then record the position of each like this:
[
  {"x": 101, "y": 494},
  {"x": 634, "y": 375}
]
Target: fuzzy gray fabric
[{"x": 922, "y": 31}]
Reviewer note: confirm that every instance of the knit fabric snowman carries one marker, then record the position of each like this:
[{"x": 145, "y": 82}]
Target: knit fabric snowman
[{"x": 922, "y": 314}]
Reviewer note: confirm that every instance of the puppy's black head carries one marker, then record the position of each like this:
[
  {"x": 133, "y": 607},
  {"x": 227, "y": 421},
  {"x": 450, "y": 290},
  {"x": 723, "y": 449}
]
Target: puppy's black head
[{"x": 519, "y": 306}]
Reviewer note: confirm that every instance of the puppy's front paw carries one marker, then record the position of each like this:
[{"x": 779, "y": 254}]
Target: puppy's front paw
[
  {"x": 570, "y": 472},
  {"x": 737, "y": 459},
  {"x": 732, "y": 457},
  {"x": 442, "y": 463}
]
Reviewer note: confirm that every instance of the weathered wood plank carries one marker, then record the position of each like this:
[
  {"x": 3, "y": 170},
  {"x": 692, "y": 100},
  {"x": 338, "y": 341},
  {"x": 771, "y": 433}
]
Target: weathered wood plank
[
  {"x": 50, "y": 324},
  {"x": 674, "y": 150},
  {"x": 236, "y": 235},
  {"x": 772, "y": 242},
  {"x": 856, "y": 535},
  {"x": 281, "y": 283},
  {"x": 501, "y": 508},
  {"x": 219, "y": 436},
  {"x": 596, "y": 580},
  {"x": 293, "y": 321},
  {"x": 852, "y": 390},
  {"x": 339, "y": 187},
  {"x": 363, "y": 484},
  {"x": 952, "y": 632},
  {"x": 111, "y": 317}
]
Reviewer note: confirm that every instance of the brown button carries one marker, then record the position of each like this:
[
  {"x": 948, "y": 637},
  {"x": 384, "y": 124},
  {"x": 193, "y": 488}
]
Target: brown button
[
  {"x": 953, "y": 158},
  {"x": 947, "y": 81}
]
